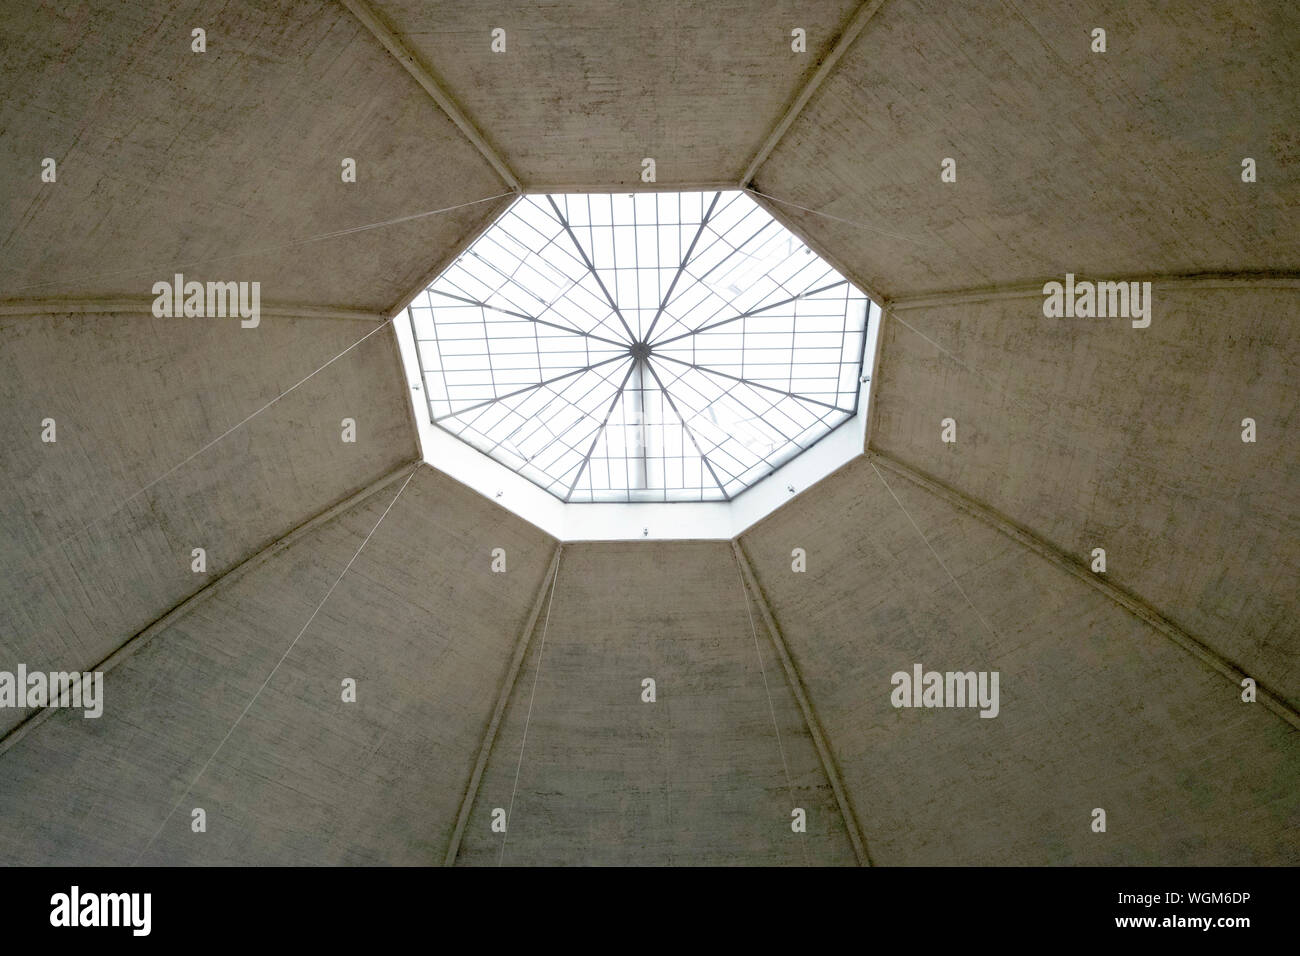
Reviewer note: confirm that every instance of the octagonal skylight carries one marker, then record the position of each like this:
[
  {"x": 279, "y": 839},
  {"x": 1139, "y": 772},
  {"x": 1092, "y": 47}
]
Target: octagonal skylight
[{"x": 636, "y": 348}]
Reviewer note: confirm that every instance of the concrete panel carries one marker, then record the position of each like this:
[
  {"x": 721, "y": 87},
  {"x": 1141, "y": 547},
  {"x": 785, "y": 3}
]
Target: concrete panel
[
  {"x": 1096, "y": 708},
  {"x": 586, "y": 90},
  {"x": 215, "y": 163},
  {"x": 1067, "y": 160},
  {"x": 419, "y": 621},
  {"x": 694, "y": 778},
  {"x": 1091, "y": 433},
  {"x": 132, "y": 397}
]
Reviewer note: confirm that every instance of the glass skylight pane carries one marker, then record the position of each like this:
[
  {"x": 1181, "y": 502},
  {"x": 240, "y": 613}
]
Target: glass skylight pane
[{"x": 648, "y": 347}]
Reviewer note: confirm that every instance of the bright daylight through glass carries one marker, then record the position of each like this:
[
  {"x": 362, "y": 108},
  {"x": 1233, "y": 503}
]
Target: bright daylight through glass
[{"x": 647, "y": 347}]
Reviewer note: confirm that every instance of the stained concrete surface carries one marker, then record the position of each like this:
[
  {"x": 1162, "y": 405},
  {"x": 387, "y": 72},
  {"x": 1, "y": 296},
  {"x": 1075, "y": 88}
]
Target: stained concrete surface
[
  {"x": 419, "y": 621},
  {"x": 100, "y": 525},
  {"x": 1067, "y": 160},
  {"x": 1097, "y": 710},
  {"x": 217, "y": 164},
  {"x": 1094, "y": 434},
  {"x": 696, "y": 778}
]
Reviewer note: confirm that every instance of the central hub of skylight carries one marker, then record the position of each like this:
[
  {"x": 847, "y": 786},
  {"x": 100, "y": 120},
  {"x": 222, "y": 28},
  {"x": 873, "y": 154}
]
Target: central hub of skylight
[{"x": 637, "y": 348}]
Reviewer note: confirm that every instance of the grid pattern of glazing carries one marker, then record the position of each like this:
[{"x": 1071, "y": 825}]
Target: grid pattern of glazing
[{"x": 646, "y": 347}]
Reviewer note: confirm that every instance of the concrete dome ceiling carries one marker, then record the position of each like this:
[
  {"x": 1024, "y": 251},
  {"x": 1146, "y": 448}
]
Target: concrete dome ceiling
[{"x": 496, "y": 668}]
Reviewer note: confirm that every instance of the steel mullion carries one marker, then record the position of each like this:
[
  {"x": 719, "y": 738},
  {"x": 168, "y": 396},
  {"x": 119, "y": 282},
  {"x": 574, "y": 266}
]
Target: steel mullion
[
  {"x": 590, "y": 267},
  {"x": 750, "y": 383},
  {"x": 755, "y": 415},
  {"x": 682, "y": 266},
  {"x": 760, "y": 311},
  {"x": 437, "y": 347},
  {"x": 574, "y": 284},
  {"x": 557, "y": 435},
  {"x": 529, "y": 388},
  {"x": 508, "y": 279},
  {"x": 690, "y": 434},
  {"x": 815, "y": 261},
  {"x": 734, "y": 249},
  {"x": 531, "y": 318},
  {"x": 587, "y": 459}
]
